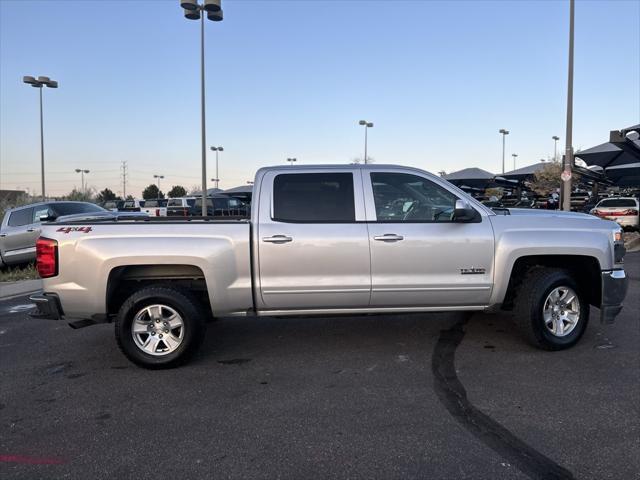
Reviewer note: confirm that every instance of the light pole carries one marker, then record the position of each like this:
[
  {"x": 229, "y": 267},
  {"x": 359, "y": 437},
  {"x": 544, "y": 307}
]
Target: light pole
[
  {"x": 504, "y": 134},
  {"x": 514, "y": 155},
  {"x": 291, "y": 161},
  {"x": 82, "y": 172},
  {"x": 195, "y": 11},
  {"x": 555, "y": 147},
  {"x": 367, "y": 126},
  {"x": 158, "y": 177},
  {"x": 568, "y": 157},
  {"x": 39, "y": 83},
  {"x": 217, "y": 149}
]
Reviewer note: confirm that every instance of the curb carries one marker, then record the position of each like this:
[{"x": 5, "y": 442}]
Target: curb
[
  {"x": 16, "y": 289},
  {"x": 633, "y": 245}
]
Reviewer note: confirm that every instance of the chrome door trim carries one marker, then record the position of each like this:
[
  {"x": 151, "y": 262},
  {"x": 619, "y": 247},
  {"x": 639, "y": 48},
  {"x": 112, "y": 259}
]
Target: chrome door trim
[
  {"x": 19, "y": 251},
  {"x": 317, "y": 290},
  {"x": 431, "y": 289}
]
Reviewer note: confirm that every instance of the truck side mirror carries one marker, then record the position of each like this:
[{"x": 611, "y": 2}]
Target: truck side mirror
[
  {"x": 48, "y": 217},
  {"x": 463, "y": 212}
]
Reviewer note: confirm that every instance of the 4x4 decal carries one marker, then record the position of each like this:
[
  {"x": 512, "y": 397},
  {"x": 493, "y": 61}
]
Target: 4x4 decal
[{"x": 74, "y": 229}]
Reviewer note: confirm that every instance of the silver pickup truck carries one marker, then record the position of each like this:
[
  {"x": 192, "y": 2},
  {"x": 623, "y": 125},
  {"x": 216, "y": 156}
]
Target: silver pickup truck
[{"x": 331, "y": 240}]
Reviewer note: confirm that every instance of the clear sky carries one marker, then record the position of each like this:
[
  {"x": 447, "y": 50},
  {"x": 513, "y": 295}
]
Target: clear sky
[{"x": 292, "y": 79}]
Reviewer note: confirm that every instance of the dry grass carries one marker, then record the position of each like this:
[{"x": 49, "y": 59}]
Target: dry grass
[{"x": 15, "y": 274}]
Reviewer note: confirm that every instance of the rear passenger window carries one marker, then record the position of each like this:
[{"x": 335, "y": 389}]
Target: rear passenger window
[
  {"x": 21, "y": 217},
  {"x": 313, "y": 198}
]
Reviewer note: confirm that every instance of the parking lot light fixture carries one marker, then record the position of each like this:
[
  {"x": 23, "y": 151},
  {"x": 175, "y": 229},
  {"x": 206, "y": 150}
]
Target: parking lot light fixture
[
  {"x": 291, "y": 161},
  {"x": 158, "y": 177},
  {"x": 504, "y": 133},
  {"x": 555, "y": 147},
  {"x": 82, "y": 174},
  {"x": 194, "y": 10},
  {"x": 367, "y": 126},
  {"x": 514, "y": 155},
  {"x": 217, "y": 150},
  {"x": 39, "y": 83}
]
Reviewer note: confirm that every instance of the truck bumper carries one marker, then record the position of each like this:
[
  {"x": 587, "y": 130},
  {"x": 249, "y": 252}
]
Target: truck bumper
[
  {"x": 614, "y": 289},
  {"x": 48, "y": 306}
]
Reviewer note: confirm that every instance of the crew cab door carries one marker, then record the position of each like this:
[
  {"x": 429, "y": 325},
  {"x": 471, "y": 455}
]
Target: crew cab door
[
  {"x": 18, "y": 237},
  {"x": 311, "y": 240},
  {"x": 420, "y": 256}
]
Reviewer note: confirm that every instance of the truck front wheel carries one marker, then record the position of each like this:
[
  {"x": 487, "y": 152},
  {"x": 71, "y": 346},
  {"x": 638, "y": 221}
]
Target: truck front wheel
[
  {"x": 550, "y": 309},
  {"x": 160, "y": 327}
]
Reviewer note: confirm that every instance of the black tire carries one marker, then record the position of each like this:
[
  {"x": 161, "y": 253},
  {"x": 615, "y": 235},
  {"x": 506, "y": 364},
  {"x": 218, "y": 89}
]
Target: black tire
[
  {"x": 186, "y": 305},
  {"x": 529, "y": 303}
]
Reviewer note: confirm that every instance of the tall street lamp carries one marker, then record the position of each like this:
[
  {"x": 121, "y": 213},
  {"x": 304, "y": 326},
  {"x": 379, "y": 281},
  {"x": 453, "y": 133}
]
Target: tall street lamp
[
  {"x": 555, "y": 147},
  {"x": 158, "y": 177},
  {"x": 514, "y": 155},
  {"x": 504, "y": 134},
  {"x": 291, "y": 161},
  {"x": 568, "y": 157},
  {"x": 195, "y": 11},
  {"x": 82, "y": 172},
  {"x": 367, "y": 126},
  {"x": 217, "y": 149},
  {"x": 39, "y": 83}
]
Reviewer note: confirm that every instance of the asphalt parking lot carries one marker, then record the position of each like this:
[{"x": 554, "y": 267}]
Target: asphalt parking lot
[{"x": 420, "y": 396}]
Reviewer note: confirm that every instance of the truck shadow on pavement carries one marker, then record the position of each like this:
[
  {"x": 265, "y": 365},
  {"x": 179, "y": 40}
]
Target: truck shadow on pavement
[{"x": 453, "y": 396}]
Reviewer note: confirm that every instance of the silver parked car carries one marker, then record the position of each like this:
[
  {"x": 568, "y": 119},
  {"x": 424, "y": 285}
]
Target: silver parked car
[{"x": 21, "y": 227}]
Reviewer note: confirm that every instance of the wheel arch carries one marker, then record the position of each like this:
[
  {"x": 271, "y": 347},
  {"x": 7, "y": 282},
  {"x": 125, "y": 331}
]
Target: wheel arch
[
  {"x": 124, "y": 280},
  {"x": 584, "y": 269}
]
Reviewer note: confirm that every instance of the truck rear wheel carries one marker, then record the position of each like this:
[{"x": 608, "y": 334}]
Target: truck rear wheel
[
  {"x": 550, "y": 309},
  {"x": 160, "y": 327}
]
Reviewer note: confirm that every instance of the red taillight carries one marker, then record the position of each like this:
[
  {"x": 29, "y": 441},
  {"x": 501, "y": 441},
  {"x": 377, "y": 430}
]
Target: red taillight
[
  {"x": 157, "y": 212},
  {"x": 47, "y": 257},
  {"x": 631, "y": 211}
]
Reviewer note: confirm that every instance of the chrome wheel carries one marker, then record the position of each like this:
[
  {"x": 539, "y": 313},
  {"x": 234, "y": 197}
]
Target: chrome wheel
[
  {"x": 561, "y": 311},
  {"x": 157, "y": 330}
]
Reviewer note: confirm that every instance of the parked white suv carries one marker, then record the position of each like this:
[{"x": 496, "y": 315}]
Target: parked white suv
[
  {"x": 155, "y": 208},
  {"x": 623, "y": 210}
]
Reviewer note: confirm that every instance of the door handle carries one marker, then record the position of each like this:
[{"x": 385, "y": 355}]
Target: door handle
[
  {"x": 31, "y": 230},
  {"x": 277, "y": 239},
  {"x": 389, "y": 237}
]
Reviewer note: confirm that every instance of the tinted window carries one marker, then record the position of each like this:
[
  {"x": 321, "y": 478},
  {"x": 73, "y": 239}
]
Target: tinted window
[
  {"x": 151, "y": 203},
  {"x": 72, "y": 208},
  {"x": 313, "y": 197},
  {"x": 400, "y": 197},
  {"x": 198, "y": 202},
  {"x": 38, "y": 212},
  {"x": 174, "y": 202},
  {"x": 192, "y": 201},
  {"x": 617, "y": 202},
  {"x": 21, "y": 217}
]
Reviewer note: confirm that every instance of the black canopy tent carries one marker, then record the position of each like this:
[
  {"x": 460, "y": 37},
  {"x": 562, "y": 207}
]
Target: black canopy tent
[
  {"x": 477, "y": 179},
  {"x": 618, "y": 159},
  {"x": 524, "y": 173}
]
